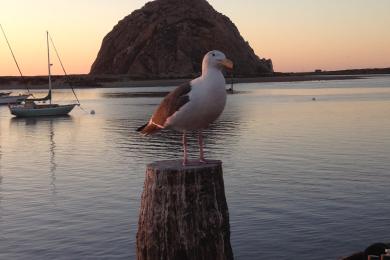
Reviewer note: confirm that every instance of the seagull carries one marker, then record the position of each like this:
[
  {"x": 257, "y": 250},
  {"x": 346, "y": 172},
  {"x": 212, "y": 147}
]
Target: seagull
[{"x": 195, "y": 105}]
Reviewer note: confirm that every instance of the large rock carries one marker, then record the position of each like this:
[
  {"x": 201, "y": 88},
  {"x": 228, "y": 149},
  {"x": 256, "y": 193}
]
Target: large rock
[{"x": 168, "y": 38}]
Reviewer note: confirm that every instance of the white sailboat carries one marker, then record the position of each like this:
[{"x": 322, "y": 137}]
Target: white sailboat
[{"x": 29, "y": 108}]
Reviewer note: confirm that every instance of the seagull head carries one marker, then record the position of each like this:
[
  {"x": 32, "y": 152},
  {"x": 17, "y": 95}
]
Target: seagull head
[{"x": 217, "y": 60}]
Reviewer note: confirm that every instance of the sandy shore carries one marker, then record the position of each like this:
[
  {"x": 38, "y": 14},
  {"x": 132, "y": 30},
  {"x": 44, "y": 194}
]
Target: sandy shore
[{"x": 80, "y": 82}]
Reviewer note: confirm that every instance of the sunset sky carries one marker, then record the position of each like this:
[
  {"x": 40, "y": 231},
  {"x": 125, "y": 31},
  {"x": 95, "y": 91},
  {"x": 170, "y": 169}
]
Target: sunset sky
[{"x": 298, "y": 35}]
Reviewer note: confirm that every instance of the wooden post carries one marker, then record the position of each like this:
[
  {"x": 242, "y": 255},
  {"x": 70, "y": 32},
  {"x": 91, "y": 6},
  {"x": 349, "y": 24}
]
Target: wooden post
[{"x": 184, "y": 214}]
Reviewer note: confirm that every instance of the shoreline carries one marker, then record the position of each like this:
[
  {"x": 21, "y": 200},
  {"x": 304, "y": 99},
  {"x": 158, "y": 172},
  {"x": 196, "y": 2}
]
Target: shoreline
[{"x": 88, "y": 82}]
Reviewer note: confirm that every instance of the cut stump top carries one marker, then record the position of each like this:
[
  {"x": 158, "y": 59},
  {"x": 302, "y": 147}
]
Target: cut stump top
[{"x": 177, "y": 165}]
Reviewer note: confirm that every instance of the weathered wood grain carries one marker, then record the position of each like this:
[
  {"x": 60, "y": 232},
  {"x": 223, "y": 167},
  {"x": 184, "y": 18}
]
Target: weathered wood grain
[{"x": 184, "y": 214}]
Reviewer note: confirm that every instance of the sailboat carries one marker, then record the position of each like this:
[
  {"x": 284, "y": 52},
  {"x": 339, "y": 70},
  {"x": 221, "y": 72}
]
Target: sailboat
[
  {"x": 5, "y": 97},
  {"x": 29, "y": 108}
]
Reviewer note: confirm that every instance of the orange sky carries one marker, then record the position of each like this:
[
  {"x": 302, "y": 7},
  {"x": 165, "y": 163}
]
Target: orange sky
[{"x": 298, "y": 35}]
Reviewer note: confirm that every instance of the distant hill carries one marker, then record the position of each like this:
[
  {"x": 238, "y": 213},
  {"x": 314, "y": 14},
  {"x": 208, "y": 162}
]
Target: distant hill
[
  {"x": 366, "y": 71},
  {"x": 100, "y": 81},
  {"x": 358, "y": 71},
  {"x": 168, "y": 39}
]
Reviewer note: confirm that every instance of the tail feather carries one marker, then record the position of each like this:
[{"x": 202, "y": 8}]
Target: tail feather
[{"x": 148, "y": 129}]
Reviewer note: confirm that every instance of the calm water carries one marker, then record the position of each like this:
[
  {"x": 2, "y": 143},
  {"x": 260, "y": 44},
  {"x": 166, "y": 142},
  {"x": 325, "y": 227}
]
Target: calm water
[{"x": 304, "y": 179}]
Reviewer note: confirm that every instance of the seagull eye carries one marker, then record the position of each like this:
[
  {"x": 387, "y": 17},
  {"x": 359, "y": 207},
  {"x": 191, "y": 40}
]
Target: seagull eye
[{"x": 213, "y": 54}]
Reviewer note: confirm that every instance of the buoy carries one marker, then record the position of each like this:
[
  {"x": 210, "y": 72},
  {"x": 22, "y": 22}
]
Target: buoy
[{"x": 314, "y": 99}]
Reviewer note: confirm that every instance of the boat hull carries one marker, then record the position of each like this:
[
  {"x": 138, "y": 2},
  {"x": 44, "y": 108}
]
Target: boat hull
[
  {"x": 61, "y": 110},
  {"x": 6, "y": 100}
]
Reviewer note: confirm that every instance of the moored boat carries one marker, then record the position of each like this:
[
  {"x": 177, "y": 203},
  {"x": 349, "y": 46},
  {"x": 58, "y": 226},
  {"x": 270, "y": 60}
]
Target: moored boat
[
  {"x": 12, "y": 99},
  {"x": 29, "y": 108},
  {"x": 38, "y": 110}
]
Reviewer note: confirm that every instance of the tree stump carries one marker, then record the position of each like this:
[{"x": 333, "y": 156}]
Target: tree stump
[{"x": 184, "y": 214}]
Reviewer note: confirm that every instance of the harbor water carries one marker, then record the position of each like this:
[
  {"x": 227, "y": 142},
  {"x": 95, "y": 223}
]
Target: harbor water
[{"x": 306, "y": 168}]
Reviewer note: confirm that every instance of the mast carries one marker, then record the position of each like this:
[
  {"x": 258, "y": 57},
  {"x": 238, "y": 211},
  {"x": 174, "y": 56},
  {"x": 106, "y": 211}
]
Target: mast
[
  {"x": 13, "y": 56},
  {"x": 48, "y": 63}
]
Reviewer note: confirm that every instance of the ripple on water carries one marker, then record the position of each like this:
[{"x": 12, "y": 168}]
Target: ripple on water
[{"x": 309, "y": 175}]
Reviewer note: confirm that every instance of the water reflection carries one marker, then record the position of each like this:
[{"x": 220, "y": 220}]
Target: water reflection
[
  {"x": 53, "y": 164},
  {"x": 1, "y": 175},
  {"x": 134, "y": 94},
  {"x": 46, "y": 127},
  {"x": 297, "y": 172},
  {"x": 37, "y": 121},
  {"x": 167, "y": 144},
  {"x": 147, "y": 94}
]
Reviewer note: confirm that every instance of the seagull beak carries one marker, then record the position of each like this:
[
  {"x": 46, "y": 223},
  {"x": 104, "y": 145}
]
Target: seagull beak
[{"x": 227, "y": 64}]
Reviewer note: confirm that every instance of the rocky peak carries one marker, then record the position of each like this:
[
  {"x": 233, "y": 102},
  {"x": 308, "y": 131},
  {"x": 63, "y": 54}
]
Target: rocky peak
[{"x": 168, "y": 38}]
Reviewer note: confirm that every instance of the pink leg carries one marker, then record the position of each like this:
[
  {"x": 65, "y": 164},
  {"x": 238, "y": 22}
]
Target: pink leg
[
  {"x": 201, "y": 151},
  {"x": 185, "y": 158}
]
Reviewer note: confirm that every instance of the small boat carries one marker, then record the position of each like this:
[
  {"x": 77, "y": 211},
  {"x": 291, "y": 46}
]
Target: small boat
[
  {"x": 29, "y": 108},
  {"x": 7, "y": 98}
]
